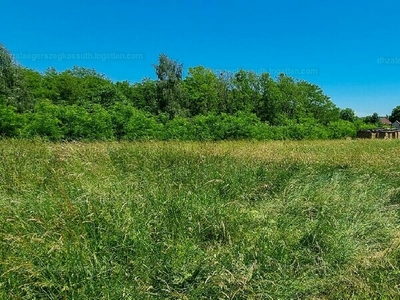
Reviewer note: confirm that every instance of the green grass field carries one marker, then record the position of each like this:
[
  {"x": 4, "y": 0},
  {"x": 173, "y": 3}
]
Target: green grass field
[{"x": 174, "y": 220}]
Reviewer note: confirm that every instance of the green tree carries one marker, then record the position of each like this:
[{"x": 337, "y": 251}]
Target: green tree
[
  {"x": 169, "y": 89},
  {"x": 80, "y": 86},
  {"x": 120, "y": 115},
  {"x": 347, "y": 114},
  {"x": 69, "y": 88},
  {"x": 99, "y": 124},
  {"x": 44, "y": 121},
  {"x": 291, "y": 106},
  {"x": 34, "y": 81},
  {"x": 268, "y": 106},
  {"x": 341, "y": 129},
  {"x": 12, "y": 85},
  {"x": 395, "y": 116},
  {"x": 10, "y": 122},
  {"x": 74, "y": 120},
  {"x": 375, "y": 118},
  {"x": 142, "y": 125},
  {"x": 142, "y": 95},
  {"x": 7, "y": 72},
  {"x": 179, "y": 128},
  {"x": 317, "y": 105},
  {"x": 245, "y": 92},
  {"x": 224, "y": 91},
  {"x": 201, "y": 86},
  {"x": 95, "y": 88}
]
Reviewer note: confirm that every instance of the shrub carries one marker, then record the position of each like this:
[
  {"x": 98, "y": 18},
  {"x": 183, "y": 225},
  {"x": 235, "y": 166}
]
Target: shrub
[
  {"x": 120, "y": 115},
  {"x": 74, "y": 121},
  {"x": 142, "y": 125},
  {"x": 342, "y": 129},
  {"x": 238, "y": 126},
  {"x": 179, "y": 129},
  {"x": 99, "y": 125},
  {"x": 44, "y": 121},
  {"x": 10, "y": 122}
]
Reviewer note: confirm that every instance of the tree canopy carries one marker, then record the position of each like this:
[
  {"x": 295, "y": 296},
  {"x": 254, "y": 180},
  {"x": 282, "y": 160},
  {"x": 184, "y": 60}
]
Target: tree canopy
[
  {"x": 204, "y": 104},
  {"x": 395, "y": 116}
]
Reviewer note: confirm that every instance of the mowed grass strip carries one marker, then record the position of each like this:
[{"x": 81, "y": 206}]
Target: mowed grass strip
[{"x": 180, "y": 220}]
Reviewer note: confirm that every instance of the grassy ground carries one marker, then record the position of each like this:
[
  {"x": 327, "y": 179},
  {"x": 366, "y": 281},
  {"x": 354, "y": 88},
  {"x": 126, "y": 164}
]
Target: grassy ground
[{"x": 229, "y": 220}]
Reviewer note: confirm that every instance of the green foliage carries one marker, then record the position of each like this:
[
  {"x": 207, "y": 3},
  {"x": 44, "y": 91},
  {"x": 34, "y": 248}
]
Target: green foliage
[
  {"x": 82, "y": 104},
  {"x": 180, "y": 129},
  {"x": 44, "y": 121},
  {"x": 74, "y": 120},
  {"x": 207, "y": 127},
  {"x": 142, "y": 126},
  {"x": 79, "y": 86},
  {"x": 395, "y": 115},
  {"x": 262, "y": 132},
  {"x": 120, "y": 116},
  {"x": 238, "y": 126},
  {"x": 373, "y": 119},
  {"x": 347, "y": 114},
  {"x": 214, "y": 127},
  {"x": 10, "y": 122},
  {"x": 169, "y": 86},
  {"x": 7, "y": 72},
  {"x": 201, "y": 86},
  {"x": 36, "y": 89},
  {"x": 13, "y": 88},
  {"x": 245, "y": 92},
  {"x": 342, "y": 129},
  {"x": 317, "y": 104},
  {"x": 267, "y": 107},
  {"x": 99, "y": 125},
  {"x": 307, "y": 128}
]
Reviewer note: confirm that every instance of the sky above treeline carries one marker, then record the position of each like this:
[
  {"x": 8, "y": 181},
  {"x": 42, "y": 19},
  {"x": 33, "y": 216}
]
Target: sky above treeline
[{"x": 351, "y": 49}]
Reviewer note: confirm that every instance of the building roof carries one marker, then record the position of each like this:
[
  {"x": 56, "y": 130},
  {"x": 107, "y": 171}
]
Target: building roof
[{"x": 385, "y": 121}]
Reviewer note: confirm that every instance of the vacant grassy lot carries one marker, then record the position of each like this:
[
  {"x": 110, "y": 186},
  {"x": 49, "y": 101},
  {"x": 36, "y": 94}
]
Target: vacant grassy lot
[{"x": 229, "y": 220}]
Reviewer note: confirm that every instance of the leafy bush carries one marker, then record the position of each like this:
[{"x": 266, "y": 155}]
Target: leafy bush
[
  {"x": 238, "y": 126},
  {"x": 241, "y": 125},
  {"x": 342, "y": 129},
  {"x": 142, "y": 125},
  {"x": 205, "y": 127},
  {"x": 74, "y": 121},
  {"x": 44, "y": 121},
  {"x": 99, "y": 125},
  {"x": 10, "y": 122},
  {"x": 179, "y": 129},
  {"x": 262, "y": 132},
  {"x": 120, "y": 116},
  {"x": 79, "y": 123}
]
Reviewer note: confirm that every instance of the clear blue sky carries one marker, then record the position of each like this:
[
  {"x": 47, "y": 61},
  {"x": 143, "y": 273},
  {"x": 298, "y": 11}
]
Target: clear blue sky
[{"x": 338, "y": 45}]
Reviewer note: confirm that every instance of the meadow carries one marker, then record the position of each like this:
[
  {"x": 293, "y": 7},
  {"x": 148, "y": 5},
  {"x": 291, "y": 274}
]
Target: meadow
[{"x": 200, "y": 220}]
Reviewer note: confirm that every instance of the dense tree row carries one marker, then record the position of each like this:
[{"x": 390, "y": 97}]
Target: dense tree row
[{"x": 82, "y": 104}]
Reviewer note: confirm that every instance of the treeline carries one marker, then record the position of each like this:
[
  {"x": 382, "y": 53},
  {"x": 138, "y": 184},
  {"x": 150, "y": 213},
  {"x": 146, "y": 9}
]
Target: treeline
[{"x": 80, "y": 104}]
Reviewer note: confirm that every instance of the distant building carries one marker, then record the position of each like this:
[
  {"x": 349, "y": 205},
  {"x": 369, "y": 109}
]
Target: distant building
[
  {"x": 396, "y": 124},
  {"x": 385, "y": 121}
]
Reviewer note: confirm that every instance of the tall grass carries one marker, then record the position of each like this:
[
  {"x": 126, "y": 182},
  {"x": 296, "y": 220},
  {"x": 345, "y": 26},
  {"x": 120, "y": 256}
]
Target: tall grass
[{"x": 174, "y": 220}]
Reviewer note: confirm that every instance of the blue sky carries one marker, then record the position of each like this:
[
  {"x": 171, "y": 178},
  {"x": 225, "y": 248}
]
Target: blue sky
[{"x": 351, "y": 49}]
